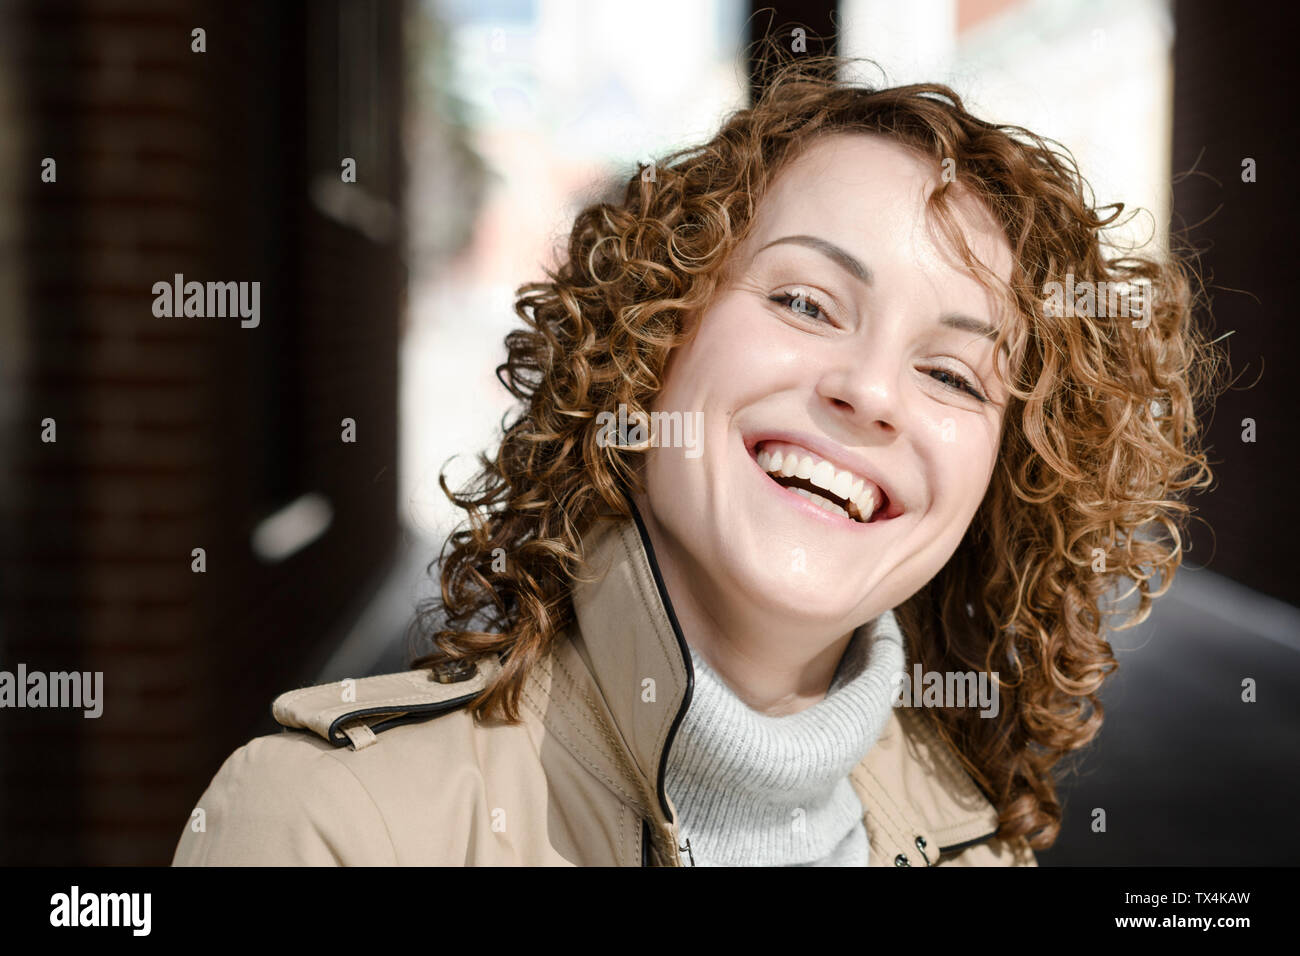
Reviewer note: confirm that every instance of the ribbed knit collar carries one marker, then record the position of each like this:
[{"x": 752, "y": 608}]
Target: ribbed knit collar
[{"x": 755, "y": 790}]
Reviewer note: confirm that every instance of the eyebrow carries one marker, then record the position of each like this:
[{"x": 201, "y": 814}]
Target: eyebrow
[
  {"x": 965, "y": 323},
  {"x": 842, "y": 258},
  {"x": 856, "y": 268}
]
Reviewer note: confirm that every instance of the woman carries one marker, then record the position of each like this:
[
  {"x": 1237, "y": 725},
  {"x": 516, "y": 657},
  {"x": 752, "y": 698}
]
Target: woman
[{"x": 796, "y": 551}]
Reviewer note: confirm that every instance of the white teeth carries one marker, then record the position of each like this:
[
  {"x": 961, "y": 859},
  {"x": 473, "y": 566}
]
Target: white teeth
[
  {"x": 866, "y": 502},
  {"x": 819, "y": 501},
  {"x": 861, "y": 494},
  {"x": 835, "y": 509},
  {"x": 842, "y": 486}
]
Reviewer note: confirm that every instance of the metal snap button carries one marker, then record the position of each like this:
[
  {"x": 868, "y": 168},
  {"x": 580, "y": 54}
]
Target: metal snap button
[
  {"x": 454, "y": 671},
  {"x": 920, "y": 845}
]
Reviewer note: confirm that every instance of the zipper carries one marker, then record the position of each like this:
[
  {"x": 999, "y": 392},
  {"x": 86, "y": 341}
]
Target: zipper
[
  {"x": 685, "y": 652},
  {"x": 687, "y": 848},
  {"x": 645, "y": 844}
]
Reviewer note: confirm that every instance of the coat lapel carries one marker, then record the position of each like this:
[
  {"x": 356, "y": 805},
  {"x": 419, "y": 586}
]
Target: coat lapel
[{"x": 628, "y": 665}]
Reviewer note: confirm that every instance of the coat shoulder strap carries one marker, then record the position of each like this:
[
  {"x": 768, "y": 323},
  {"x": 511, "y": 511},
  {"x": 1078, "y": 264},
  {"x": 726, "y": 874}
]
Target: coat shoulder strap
[{"x": 353, "y": 711}]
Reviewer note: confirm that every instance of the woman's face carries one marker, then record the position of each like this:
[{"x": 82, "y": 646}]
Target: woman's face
[{"x": 844, "y": 337}]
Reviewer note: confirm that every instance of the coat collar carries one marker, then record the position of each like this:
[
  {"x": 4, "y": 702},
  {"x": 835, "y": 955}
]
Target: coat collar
[{"x": 638, "y": 683}]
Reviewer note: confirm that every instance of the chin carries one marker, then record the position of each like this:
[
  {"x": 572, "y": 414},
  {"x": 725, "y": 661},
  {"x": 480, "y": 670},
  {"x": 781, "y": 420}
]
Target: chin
[{"x": 777, "y": 588}]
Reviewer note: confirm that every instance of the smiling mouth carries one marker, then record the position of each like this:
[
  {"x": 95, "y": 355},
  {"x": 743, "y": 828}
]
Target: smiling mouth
[
  {"x": 822, "y": 498},
  {"x": 838, "y": 493}
]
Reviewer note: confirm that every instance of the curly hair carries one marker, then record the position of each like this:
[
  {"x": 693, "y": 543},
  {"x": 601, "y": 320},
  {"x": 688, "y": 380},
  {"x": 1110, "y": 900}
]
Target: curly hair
[{"x": 1099, "y": 444}]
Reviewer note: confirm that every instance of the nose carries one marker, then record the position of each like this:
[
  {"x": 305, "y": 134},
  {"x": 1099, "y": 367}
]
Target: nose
[{"x": 861, "y": 386}]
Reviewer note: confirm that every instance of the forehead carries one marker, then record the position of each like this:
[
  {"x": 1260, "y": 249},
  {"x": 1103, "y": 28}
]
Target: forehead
[{"x": 867, "y": 193}]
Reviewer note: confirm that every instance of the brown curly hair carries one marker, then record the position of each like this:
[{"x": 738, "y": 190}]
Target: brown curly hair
[{"x": 1100, "y": 435}]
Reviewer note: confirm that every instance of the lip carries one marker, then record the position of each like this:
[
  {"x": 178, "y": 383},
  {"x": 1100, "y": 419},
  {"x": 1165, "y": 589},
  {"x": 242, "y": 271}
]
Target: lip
[{"x": 837, "y": 456}]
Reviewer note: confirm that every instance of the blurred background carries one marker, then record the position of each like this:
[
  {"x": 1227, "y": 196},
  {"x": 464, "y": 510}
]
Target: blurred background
[{"x": 210, "y": 514}]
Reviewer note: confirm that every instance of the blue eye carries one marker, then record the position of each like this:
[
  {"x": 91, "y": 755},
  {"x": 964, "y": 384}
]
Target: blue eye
[
  {"x": 803, "y": 303},
  {"x": 962, "y": 384},
  {"x": 809, "y": 306}
]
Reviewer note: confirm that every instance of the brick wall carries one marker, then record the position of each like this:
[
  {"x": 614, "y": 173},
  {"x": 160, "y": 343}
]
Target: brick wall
[{"x": 185, "y": 432}]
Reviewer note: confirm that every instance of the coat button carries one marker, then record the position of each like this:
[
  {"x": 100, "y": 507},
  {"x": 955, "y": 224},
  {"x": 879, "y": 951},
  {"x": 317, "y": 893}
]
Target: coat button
[
  {"x": 453, "y": 671},
  {"x": 920, "y": 845},
  {"x": 901, "y": 860}
]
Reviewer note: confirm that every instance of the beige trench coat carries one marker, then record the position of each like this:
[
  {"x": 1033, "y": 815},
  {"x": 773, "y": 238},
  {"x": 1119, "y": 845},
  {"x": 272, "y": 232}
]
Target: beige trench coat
[{"x": 392, "y": 770}]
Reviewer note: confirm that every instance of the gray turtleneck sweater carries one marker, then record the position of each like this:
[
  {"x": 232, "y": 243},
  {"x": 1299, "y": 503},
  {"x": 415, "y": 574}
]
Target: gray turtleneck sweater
[{"x": 754, "y": 790}]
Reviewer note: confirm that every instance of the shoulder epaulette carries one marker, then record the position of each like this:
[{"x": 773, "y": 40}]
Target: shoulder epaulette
[{"x": 355, "y": 710}]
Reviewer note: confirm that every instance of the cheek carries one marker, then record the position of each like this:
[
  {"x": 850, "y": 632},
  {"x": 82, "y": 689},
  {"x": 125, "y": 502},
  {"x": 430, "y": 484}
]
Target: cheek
[
  {"x": 721, "y": 347},
  {"x": 726, "y": 364},
  {"x": 752, "y": 356},
  {"x": 962, "y": 449}
]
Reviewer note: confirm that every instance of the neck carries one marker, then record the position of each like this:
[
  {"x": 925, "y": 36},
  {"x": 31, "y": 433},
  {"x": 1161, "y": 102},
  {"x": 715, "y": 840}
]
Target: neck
[{"x": 777, "y": 667}]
